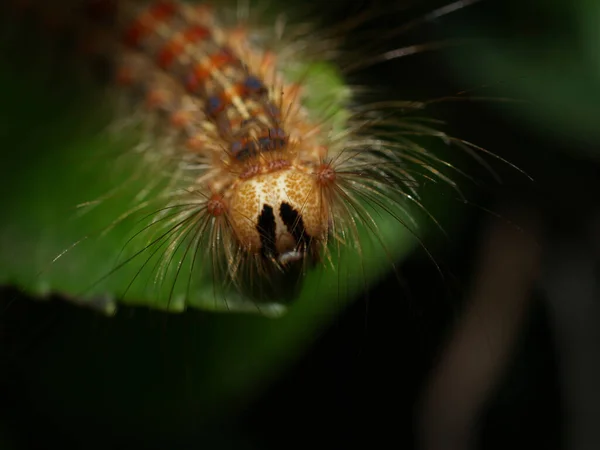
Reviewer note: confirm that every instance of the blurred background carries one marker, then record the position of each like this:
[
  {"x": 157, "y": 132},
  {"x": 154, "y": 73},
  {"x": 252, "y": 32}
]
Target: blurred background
[{"x": 499, "y": 347}]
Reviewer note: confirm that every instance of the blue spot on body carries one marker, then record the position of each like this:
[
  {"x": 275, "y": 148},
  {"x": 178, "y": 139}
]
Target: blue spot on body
[
  {"x": 265, "y": 143},
  {"x": 253, "y": 84},
  {"x": 214, "y": 104}
]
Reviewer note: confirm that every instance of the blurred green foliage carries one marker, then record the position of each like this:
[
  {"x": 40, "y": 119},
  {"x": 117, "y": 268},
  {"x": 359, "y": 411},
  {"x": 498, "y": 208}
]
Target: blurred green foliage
[{"x": 544, "y": 57}]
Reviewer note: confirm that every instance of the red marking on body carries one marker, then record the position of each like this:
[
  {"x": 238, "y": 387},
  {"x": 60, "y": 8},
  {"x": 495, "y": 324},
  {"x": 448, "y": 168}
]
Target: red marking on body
[
  {"x": 237, "y": 90},
  {"x": 179, "y": 119},
  {"x": 216, "y": 205},
  {"x": 250, "y": 171},
  {"x": 155, "y": 98},
  {"x": 148, "y": 21},
  {"x": 325, "y": 175},
  {"x": 174, "y": 47},
  {"x": 278, "y": 164},
  {"x": 203, "y": 70}
]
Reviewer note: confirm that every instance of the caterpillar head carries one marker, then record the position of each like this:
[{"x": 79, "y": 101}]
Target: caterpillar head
[{"x": 279, "y": 214}]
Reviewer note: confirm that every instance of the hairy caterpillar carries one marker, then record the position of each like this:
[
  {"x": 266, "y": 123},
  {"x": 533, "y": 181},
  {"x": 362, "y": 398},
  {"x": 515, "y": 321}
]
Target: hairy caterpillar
[{"x": 252, "y": 166}]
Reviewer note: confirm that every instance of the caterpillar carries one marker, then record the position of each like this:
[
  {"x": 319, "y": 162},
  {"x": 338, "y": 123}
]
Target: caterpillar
[{"x": 255, "y": 162}]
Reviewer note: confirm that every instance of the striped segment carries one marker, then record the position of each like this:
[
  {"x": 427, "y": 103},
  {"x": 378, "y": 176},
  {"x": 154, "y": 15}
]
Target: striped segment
[
  {"x": 194, "y": 54},
  {"x": 204, "y": 70},
  {"x": 172, "y": 49}
]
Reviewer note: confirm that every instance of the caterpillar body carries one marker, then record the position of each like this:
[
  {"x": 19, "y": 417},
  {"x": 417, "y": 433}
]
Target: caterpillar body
[{"x": 255, "y": 178}]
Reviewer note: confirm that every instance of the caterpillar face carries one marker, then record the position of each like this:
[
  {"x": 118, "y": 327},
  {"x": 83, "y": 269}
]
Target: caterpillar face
[{"x": 279, "y": 214}]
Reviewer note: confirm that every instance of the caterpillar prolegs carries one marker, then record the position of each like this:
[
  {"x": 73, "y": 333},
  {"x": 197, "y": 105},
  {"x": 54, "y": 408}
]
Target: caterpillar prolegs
[{"x": 242, "y": 158}]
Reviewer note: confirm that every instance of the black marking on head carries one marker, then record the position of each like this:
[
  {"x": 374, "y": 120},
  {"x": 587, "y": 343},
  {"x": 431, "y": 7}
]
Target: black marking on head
[
  {"x": 293, "y": 221},
  {"x": 282, "y": 284},
  {"x": 266, "y": 230}
]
